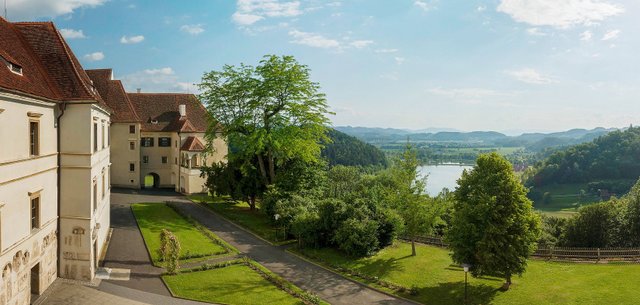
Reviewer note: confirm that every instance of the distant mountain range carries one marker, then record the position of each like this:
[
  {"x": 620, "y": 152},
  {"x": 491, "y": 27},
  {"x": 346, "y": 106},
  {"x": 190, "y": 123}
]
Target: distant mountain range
[{"x": 532, "y": 141}]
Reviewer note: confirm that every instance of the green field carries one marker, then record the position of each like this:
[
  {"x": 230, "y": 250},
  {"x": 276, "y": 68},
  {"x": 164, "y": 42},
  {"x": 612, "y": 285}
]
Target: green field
[
  {"x": 565, "y": 199},
  {"x": 153, "y": 217},
  {"x": 239, "y": 212},
  {"x": 236, "y": 284},
  {"x": 438, "y": 281}
]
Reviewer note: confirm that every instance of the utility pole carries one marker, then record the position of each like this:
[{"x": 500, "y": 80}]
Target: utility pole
[{"x": 5, "y": 9}]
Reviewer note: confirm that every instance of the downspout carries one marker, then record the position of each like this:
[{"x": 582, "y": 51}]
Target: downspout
[
  {"x": 62, "y": 107},
  {"x": 179, "y": 162}
]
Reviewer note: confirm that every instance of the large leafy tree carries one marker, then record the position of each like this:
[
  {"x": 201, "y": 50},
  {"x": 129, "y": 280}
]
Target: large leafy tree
[
  {"x": 272, "y": 113},
  {"x": 494, "y": 228}
]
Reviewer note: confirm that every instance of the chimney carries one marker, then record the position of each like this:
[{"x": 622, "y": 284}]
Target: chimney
[
  {"x": 139, "y": 90},
  {"x": 183, "y": 110}
]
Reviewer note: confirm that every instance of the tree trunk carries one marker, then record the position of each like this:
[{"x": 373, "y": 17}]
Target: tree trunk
[
  {"x": 413, "y": 247},
  {"x": 272, "y": 167},
  {"x": 507, "y": 283},
  {"x": 252, "y": 202},
  {"x": 263, "y": 170}
]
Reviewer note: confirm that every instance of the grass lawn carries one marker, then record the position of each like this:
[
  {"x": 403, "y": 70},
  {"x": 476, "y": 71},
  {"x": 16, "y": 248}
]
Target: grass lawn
[
  {"x": 236, "y": 284},
  {"x": 153, "y": 217},
  {"x": 565, "y": 199},
  {"x": 440, "y": 282},
  {"x": 239, "y": 212}
]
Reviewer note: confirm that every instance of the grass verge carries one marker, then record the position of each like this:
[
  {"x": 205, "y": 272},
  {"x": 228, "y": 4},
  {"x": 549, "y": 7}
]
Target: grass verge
[
  {"x": 240, "y": 213},
  {"x": 432, "y": 278},
  {"x": 197, "y": 242},
  {"x": 237, "y": 282}
]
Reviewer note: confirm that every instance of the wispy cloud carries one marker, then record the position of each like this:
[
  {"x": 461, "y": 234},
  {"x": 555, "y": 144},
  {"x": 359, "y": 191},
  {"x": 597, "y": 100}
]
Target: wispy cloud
[
  {"x": 360, "y": 44},
  {"x": 531, "y": 76},
  {"x": 422, "y": 5},
  {"x": 559, "y": 13},
  {"x": 157, "y": 80},
  {"x": 72, "y": 34},
  {"x": 33, "y": 9},
  {"x": 95, "y": 56},
  {"x": 131, "y": 39},
  {"x": 586, "y": 35},
  {"x": 192, "y": 29},
  {"x": 249, "y": 12},
  {"x": 611, "y": 35},
  {"x": 313, "y": 40},
  {"x": 399, "y": 60},
  {"x": 535, "y": 32}
]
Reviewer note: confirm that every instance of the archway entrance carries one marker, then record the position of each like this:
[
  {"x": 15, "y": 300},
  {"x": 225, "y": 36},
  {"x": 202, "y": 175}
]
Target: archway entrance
[{"x": 152, "y": 180}]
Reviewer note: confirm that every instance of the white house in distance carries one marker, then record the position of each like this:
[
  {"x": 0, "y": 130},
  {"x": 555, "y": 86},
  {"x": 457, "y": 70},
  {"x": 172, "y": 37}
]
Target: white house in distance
[{"x": 54, "y": 163}]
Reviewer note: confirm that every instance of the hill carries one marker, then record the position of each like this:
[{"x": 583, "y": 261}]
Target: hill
[
  {"x": 347, "y": 150},
  {"x": 614, "y": 156}
]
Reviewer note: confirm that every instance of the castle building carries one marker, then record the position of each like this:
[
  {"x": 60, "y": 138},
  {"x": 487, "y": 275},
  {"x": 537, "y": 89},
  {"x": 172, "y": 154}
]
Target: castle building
[{"x": 66, "y": 136}]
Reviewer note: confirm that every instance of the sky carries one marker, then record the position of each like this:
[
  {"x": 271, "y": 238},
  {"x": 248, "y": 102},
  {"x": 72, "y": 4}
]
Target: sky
[{"x": 503, "y": 65}]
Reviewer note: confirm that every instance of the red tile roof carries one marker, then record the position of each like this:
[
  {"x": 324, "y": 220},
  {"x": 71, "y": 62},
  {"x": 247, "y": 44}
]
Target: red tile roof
[
  {"x": 14, "y": 49},
  {"x": 49, "y": 67},
  {"x": 112, "y": 92},
  {"x": 159, "y": 112},
  {"x": 192, "y": 144}
]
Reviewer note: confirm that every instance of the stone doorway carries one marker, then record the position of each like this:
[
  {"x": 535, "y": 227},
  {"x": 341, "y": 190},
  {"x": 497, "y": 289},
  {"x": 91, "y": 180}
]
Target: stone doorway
[{"x": 35, "y": 282}]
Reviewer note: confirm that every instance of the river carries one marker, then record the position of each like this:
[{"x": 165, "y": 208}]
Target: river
[{"x": 441, "y": 176}]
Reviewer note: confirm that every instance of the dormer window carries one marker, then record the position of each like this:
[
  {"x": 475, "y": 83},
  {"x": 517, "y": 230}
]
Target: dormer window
[
  {"x": 154, "y": 122},
  {"x": 15, "y": 69}
]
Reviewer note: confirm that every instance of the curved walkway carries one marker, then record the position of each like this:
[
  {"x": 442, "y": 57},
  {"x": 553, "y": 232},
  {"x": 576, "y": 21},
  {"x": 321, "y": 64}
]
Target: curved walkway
[{"x": 127, "y": 251}]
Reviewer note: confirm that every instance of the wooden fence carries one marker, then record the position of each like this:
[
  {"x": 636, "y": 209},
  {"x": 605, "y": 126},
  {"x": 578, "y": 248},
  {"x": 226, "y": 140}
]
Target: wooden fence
[{"x": 561, "y": 253}]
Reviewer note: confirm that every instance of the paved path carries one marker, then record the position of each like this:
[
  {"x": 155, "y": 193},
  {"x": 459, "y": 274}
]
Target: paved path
[
  {"x": 329, "y": 286},
  {"x": 127, "y": 251},
  {"x": 63, "y": 292}
]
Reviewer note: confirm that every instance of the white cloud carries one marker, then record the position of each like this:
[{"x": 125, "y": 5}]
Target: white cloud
[
  {"x": 386, "y": 50},
  {"x": 157, "y": 80},
  {"x": 559, "y": 13},
  {"x": 249, "y": 12},
  {"x": 586, "y": 35},
  {"x": 399, "y": 60},
  {"x": 33, "y": 9},
  {"x": 313, "y": 40},
  {"x": 531, "y": 76},
  {"x": 421, "y": 4},
  {"x": 536, "y": 32},
  {"x": 359, "y": 44},
  {"x": 334, "y": 4},
  {"x": 467, "y": 93},
  {"x": 72, "y": 34},
  {"x": 132, "y": 39},
  {"x": 611, "y": 35},
  {"x": 481, "y": 8},
  {"x": 245, "y": 19},
  {"x": 95, "y": 56},
  {"x": 192, "y": 29}
]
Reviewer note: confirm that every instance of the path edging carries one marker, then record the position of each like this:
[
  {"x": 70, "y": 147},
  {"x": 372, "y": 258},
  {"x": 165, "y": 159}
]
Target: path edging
[{"x": 350, "y": 279}]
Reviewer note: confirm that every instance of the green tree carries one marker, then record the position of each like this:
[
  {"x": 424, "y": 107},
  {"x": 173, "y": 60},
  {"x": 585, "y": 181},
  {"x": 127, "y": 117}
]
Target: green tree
[
  {"x": 494, "y": 228},
  {"x": 271, "y": 113}
]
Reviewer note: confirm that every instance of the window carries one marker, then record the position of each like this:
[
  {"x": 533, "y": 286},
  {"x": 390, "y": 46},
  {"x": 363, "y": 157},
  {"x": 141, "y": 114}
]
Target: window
[
  {"x": 164, "y": 160},
  {"x": 104, "y": 182},
  {"x": 132, "y": 167},
  {"x": 103, "y": 137},
  {"x": 145, "y": 159},
  {"x": 132, "y": 128},
  {"x": 146, "y": 142},
  {"x": 34, "y": 138},
  {"x": 132, "y": 145},
  {"x": 164, "y": 142},
  {"x": 176, "y": 143},
  {"x": 95, "y": 194},
  {"x": 108, "y": 134},
  {"x": 175, "y": 160},
  {"x": 35, "y": 212},
  {"x": 95, "y": 137}
]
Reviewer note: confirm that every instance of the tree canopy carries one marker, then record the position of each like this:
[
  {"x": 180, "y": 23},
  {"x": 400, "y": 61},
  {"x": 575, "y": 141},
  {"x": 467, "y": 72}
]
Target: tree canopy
[{"x": 494, "y": 228}]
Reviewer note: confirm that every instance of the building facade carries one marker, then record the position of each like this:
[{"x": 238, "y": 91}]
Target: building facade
[
  {"x": 157, "y": 137},
  {"x": 54, "y": 163}
]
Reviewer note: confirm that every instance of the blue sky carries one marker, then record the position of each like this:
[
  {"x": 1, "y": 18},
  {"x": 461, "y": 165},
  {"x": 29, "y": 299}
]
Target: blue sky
[{"x": 505, "y": 65}]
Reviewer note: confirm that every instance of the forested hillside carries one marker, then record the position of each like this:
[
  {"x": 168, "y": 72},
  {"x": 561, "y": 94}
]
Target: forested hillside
[
  {"x": 614, "y": 156},
  {"x": 347, "y": 150}
]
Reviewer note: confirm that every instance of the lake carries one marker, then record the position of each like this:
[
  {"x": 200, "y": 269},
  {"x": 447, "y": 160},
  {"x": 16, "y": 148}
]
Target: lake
[{"x": 441, "y": 176}]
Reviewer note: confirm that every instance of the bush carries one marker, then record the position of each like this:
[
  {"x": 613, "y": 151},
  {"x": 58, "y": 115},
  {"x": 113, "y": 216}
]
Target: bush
[{"x": 358, "y": 237}]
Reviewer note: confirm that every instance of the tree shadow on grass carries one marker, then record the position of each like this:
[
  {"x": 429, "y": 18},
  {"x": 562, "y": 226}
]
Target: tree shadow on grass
[{"x": 453, "y": 294}]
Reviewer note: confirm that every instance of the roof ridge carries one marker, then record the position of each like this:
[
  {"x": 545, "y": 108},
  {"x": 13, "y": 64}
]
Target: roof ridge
[{"x": 65, "y": 47}]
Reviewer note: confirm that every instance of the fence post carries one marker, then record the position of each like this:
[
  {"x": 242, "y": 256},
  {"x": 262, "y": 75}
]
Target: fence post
[
  {"x": 551, "y": 252},
  {"x": 598, "y": 255}
]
